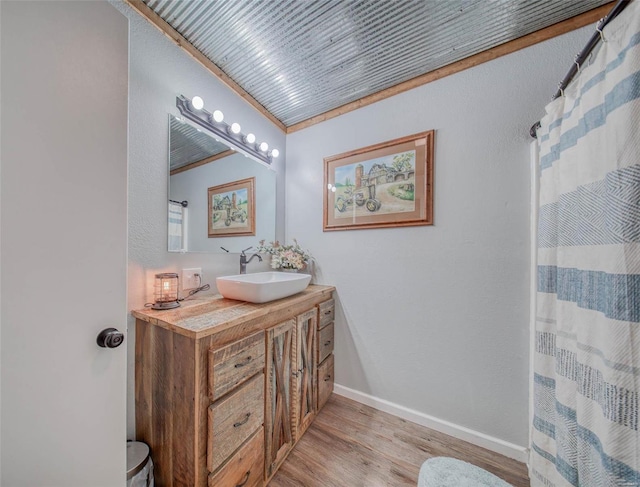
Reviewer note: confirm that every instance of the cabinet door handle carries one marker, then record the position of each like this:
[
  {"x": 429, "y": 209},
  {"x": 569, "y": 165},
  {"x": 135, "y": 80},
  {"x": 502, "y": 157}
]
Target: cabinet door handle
[
  {"x": 328, "y": 342},
  {"x": 328, "y": 377},
  {"x": 327, "y": 312},
  {"x": 242, "y": 364},
  {"x": 240, "y": 423},
  {"x": 246, "y": 479}
]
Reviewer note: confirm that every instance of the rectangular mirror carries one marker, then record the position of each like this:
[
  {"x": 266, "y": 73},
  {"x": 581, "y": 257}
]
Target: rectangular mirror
[{"x": 218, "y": 198}]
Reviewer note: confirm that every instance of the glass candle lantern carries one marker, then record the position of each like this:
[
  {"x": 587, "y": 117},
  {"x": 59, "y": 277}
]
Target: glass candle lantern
[{"x": 166, "y": 291}]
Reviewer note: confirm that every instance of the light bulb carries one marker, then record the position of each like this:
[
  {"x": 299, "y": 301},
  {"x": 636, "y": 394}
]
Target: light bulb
[
  {"x": 218, "y": 116},
  {"x": 197, "y": 103},
  {"x": 275, "y": 153},
  {"x": 333, "y": 189},
  {"x": 264, "y": 147},
  {"x": 329, "y": 186},
  {"x": 250, "y": 138},
  {"x": 235, "y": 128}
]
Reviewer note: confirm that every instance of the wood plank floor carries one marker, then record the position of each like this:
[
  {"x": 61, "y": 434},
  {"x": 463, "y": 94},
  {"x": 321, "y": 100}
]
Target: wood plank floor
[{"x": 352, "y": 445}]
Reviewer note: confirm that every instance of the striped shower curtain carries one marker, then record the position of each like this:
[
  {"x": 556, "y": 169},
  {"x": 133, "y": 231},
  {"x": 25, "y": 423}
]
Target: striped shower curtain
[
  {"x": 177, "y": 227},
  {"x": 586, "y": 363}
]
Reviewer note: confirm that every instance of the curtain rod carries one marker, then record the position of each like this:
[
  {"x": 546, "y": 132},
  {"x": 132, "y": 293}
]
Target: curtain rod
[
  {"x": 582, "y": 56},
  {"x": 184, "y": 203}
]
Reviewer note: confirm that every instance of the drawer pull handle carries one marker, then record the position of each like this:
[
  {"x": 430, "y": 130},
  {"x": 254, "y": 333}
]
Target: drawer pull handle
[
  {"x": 328, "y": 342},
  {"x": 246, "y": 479},
  {"x": 328, "y": 312},
  {"x": 327, "y": 378},
  {"x": 240, "y": 423},
  {"x": 242, "y": 364}
]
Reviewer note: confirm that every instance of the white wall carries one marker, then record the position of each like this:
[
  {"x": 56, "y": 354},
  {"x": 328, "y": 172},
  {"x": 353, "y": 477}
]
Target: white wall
[
  {"x": 0, "y": 260},
  {"x": 159, "y": 71},
  {"x": 435, "y": 318}
]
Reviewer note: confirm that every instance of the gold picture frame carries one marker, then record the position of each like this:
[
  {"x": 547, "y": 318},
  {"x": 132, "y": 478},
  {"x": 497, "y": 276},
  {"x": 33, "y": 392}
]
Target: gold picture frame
[
  {"x": 232, "y": 209},
  {"x": 384, "y": 185}
]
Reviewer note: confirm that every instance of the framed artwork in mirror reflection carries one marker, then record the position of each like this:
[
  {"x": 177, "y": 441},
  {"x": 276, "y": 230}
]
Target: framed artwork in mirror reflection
[
  {"x": 232, "y": 209},
  {"x": 384, "y": 185}
]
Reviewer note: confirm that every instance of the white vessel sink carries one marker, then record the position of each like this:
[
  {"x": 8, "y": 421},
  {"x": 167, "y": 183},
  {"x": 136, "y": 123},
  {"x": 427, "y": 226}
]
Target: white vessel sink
[{"x": 262, "y": 287}]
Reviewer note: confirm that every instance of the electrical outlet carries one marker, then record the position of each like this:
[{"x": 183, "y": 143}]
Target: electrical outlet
[{"x": 190, "y": 279}]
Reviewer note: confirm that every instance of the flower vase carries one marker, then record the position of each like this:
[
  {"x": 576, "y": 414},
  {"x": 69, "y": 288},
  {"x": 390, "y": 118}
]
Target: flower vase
[{"x": 288, "y": 270}]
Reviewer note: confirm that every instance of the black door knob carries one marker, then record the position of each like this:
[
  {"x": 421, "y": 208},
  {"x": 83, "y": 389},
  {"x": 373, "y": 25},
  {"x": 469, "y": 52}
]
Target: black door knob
[{"x": 110, "y": 338}]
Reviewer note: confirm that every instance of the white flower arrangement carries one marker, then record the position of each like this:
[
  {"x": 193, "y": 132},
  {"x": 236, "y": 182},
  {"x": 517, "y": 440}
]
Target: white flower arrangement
[{"x": 285, "y": 256}]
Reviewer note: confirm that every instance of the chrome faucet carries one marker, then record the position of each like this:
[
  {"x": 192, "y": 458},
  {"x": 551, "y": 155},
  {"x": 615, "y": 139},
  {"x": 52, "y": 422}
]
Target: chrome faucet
[{"x": 244, "y": 261}]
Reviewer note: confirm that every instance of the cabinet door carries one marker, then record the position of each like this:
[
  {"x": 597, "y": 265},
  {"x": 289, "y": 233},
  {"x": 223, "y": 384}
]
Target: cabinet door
[
  {"x": 303, "y": 383},
  {"x": 279, "y": 439}
]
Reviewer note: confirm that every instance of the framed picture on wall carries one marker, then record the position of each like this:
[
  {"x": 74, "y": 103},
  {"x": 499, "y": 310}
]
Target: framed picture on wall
[
  {"x": 383, "y": 185},
  {"x": 232, "y": 209}
]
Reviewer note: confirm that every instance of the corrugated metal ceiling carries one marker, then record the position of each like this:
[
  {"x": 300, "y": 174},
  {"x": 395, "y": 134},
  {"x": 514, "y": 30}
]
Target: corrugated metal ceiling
[
  {"x": 188, "y": 144},
  {"x": 301, "y": 58}
]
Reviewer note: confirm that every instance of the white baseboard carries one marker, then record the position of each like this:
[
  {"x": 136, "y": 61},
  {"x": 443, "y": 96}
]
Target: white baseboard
[{"x": 497, "y": 445}]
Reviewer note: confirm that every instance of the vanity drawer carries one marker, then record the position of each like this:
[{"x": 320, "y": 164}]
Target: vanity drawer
[
  {"x": 245, "y": 468},
  {"x": 326, "y": 311},
  {"x": 325, "y": 343},
  {"x": 325, "y": 381},
  {"x": 234, "y": 419},
  {"x": 234, "y": 364}
]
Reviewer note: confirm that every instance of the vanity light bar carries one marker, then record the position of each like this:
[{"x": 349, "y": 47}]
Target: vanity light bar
[{"x": 228, "y": 133}]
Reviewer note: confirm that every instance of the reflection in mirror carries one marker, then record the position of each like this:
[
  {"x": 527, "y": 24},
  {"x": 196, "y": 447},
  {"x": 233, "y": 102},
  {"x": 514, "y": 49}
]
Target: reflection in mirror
[{"x": 198, "y": 162}]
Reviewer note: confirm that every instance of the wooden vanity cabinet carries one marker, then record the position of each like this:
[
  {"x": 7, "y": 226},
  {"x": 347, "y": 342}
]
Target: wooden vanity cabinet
[{"x": 224, "y": 389}]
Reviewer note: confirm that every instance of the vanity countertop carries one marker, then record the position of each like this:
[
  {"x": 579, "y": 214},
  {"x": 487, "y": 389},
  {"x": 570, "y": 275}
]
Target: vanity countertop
[{"x": 209, "y": 314}]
